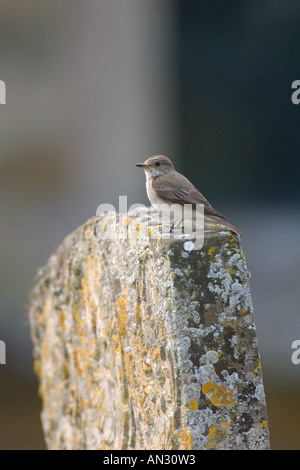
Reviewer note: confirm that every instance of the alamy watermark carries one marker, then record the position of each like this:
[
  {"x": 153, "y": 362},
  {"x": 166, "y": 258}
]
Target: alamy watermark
[
  {"x": 2, "y": 352},
  {"x": 296, "y": 94},
  {"x": 163, "y": 221},
  {"x": 2, "y": 92},
  {"x": 296, "y": 354}
]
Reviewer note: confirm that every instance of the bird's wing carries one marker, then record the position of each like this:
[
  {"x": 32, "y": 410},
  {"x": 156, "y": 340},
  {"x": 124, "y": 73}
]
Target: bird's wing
[{"x": 179, "y": 190}]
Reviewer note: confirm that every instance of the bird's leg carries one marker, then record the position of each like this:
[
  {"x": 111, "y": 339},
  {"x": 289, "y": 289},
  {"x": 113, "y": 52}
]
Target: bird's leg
[{"x": 175, "y": 224}]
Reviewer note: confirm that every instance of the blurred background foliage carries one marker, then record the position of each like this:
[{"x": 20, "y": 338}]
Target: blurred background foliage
[{"x": 94, "y": 87}]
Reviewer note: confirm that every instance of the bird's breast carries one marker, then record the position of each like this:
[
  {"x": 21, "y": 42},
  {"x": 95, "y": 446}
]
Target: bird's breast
[{"x": 151, "y": 193}]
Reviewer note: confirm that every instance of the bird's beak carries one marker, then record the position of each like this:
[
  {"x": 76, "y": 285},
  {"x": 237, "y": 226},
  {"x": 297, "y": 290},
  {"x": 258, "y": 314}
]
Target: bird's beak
[{"x": 142, "y": 165}]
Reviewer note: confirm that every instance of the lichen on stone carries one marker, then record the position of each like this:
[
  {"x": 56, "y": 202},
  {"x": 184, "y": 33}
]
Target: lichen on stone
[{"x": 138, "y": 346}]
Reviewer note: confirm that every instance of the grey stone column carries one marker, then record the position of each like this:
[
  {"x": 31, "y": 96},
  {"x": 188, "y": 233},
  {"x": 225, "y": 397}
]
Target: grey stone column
[{"x": 147, "y": 344}]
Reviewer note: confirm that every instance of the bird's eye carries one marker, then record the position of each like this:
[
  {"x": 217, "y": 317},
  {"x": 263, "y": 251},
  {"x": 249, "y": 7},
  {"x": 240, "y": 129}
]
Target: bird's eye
[{"x": 157, "y": 163}]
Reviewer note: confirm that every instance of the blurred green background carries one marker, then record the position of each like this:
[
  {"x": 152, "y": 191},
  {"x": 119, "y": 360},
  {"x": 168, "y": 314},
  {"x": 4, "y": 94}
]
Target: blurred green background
[{"x": 94, "y": 87}]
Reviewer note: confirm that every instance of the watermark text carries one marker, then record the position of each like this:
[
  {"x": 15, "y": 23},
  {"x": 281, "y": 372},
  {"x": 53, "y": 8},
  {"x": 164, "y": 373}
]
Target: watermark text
[
  {"x": 163, "y": 221},
  {"x": 2, "y": 92},
  {"x": 2, "y": 352},
  {"x": 296, "y": 94},
  {"x": 296, "y": 354}
]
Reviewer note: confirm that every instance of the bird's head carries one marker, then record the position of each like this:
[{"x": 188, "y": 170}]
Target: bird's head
[{"x": 157, "y": 165}]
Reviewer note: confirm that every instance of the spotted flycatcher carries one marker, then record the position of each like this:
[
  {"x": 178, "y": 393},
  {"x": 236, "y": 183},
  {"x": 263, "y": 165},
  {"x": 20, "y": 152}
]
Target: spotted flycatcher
[{"x": 165, "y": 185}]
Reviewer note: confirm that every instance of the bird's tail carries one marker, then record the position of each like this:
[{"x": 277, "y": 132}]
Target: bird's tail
[{"x": 226, "y": 224}]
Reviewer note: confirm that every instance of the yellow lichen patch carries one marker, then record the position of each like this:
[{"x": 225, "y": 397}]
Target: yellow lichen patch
[
  {"x": 218, "y": 436},
  {"x": 150, "y": 230},
  {"x": 257, "y": 369},
  {"x": 208, "y": 387},
  {"x": 61, "y": 317},
  {"x": 81, "y": 357},
  {"x": 78, "y": 321},
  {"x": 121, "y": 323},
  {"x": 89, "y": 232},
  {"x": 225, "y": 323},
  {"x": 155, "y": 354},
  {"x": 140, "y": 289},
  {"x": 244, "y": 311},
  {"x": 194, "y": 404},
  {"x": 128, "y": 220},
  {"x": 218, "y": 394},
  {"x": 264, "y": 425},
  {"x": 122, "y": 316},
  {"x": 136, "y": 229},
  {"x": 138, "y": 316},
  {"x": 211, "y": 251},
  {"x": 186, "y": 439},
  {"x": 84, "y": 313},
  {"x": 154, "y": 232},
  {"x": 92, "y": 267}
]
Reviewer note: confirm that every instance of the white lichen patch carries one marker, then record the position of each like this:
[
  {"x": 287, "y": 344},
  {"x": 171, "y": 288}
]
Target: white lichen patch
[
  {"x": 231, "y": 379},
  {"x": 188, "y": 246},
  {"x": 237, "y": 261},
  {"x": 206, "y": 373},
  {"x": 222, "y": 279},
  {"x": 234, "y": 341},
  {"x": 240, "y": 296},
  {"x": 260, "y": 393},
  {"x": 211, "y": 357},
  {"x": 178, "y": 272}
]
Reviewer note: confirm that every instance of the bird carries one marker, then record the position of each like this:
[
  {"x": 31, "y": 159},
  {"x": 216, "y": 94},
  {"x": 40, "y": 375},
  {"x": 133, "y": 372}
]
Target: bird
[{"x": 166, "y": 185}]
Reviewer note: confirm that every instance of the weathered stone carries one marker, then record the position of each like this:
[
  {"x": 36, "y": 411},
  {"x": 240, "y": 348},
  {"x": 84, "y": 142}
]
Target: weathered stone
[{"x": 147, "y": 344}]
